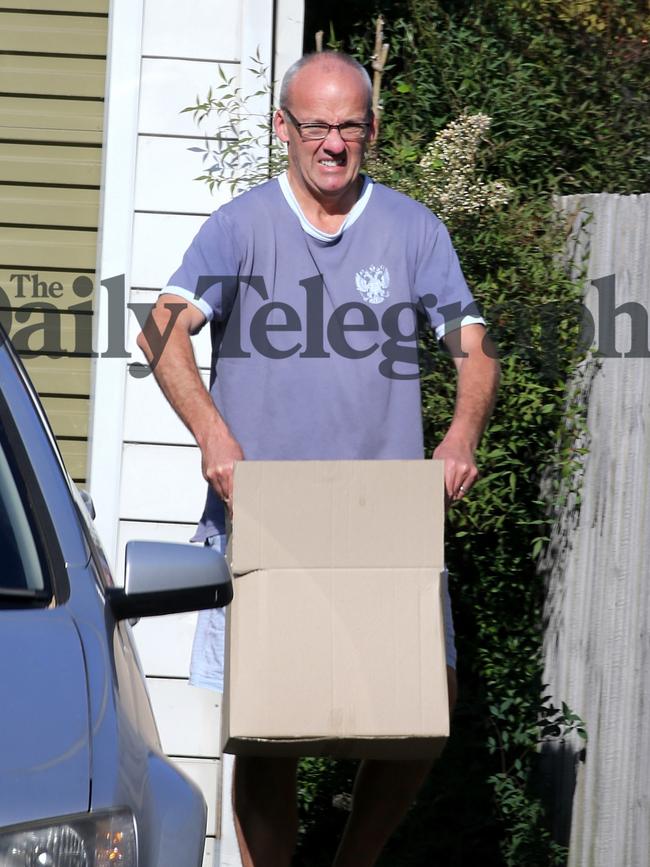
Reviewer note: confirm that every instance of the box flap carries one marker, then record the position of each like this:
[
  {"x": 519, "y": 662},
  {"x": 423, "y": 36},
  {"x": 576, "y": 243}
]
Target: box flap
[
  {"x": 336, "y": 655},
  {"x": 329, "y": 514}
]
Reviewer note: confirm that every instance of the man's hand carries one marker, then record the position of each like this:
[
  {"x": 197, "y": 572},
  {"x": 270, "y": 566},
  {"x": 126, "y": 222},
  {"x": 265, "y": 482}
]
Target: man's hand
[
  {"x": 460, "y": 470},
  {"x": 219, "y": 454},
  {"x": 474, "y": 355}
]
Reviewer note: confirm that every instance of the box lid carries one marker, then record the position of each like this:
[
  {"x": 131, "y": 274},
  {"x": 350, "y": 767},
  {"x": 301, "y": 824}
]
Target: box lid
[{"x": 329, "y": 514}]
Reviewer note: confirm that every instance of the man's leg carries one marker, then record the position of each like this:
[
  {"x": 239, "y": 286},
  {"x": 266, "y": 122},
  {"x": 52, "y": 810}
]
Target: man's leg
[
  {"x": 265, "y": 810},
  {"x": 383, "y": 793}
]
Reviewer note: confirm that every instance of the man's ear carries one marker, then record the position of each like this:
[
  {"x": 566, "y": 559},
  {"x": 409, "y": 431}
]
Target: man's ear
[{"x": 280, "y": 126}]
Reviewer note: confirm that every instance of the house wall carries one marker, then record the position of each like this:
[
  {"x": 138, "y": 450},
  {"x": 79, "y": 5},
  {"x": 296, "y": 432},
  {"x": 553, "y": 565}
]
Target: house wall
[
  {"x": 145, "y": 476},
  {"x": 52, "y": 70}
]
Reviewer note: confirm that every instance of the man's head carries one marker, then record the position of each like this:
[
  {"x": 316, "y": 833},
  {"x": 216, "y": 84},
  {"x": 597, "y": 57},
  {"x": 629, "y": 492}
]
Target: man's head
[
  {"x": 327, "y": 88},
  {"x": 326, "y": 61}
]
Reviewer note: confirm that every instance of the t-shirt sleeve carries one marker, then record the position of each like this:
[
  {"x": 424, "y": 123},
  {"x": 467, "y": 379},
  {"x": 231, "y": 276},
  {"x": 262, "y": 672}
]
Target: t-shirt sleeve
[
  {"x": 441, "y": 290},
  {"x": 207, "y": 276}
]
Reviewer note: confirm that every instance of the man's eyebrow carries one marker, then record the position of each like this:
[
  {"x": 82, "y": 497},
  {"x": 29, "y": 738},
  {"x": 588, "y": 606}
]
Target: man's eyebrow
[{"x": 327, "y": 123}]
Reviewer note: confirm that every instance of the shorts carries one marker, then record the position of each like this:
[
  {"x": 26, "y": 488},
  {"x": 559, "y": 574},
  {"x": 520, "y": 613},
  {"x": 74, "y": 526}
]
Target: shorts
[{"x": 206, "y": 666}]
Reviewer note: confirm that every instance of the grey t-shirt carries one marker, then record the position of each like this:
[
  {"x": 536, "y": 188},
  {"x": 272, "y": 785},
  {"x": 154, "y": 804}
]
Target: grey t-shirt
[{"x": 314, "y": 335}]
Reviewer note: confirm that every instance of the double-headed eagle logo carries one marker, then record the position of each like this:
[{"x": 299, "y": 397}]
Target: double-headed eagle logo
[{"x": 373, "y": 283}]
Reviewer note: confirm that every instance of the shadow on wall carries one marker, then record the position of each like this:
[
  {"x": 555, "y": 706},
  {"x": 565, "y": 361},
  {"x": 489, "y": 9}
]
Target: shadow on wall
[
  {"x": 559, "y": 776},
  {"x": 562, "y": 490}
]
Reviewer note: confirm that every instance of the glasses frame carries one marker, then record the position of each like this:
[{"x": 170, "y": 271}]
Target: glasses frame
[{"x": 339, "y": 127}]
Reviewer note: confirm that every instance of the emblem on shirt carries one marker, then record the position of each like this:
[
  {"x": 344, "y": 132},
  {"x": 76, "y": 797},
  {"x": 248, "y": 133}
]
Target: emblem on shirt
[{"x": 373, "y": 283}]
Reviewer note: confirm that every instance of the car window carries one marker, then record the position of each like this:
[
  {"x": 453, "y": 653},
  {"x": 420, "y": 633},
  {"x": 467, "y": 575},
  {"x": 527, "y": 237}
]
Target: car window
[{"x": 21, "y": 573}]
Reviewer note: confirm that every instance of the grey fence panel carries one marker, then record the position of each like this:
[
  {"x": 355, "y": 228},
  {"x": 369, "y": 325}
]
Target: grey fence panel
[{"x": 597, "y": 640}]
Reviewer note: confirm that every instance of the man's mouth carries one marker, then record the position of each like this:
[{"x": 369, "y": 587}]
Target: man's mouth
[{"x": 332, "y": 163}]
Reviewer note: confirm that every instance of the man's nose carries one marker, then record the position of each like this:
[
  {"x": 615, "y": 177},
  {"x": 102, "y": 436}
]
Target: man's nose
[{"x": 333, "y": 140}]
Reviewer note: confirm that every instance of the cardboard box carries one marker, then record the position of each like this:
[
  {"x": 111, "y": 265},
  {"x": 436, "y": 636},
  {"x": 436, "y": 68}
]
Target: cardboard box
[{"x": 335, "y": 638}]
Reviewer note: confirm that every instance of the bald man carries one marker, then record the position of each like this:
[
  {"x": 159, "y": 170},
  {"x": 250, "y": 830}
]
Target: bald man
[{"x": 312, "y": 284}]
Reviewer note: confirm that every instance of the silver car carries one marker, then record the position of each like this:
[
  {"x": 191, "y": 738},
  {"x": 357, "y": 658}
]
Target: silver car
[{"x": 83, "y": 781}]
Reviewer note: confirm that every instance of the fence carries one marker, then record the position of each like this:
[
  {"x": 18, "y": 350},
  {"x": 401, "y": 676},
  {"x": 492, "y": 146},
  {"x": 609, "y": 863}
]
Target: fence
[{"x": 597, "y": 639}]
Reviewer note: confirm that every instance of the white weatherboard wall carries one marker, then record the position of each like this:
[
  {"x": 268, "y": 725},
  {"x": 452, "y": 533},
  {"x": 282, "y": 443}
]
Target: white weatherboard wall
[
  {"x": 144, "y": 468},
  {"x": 597, "y": 643}
]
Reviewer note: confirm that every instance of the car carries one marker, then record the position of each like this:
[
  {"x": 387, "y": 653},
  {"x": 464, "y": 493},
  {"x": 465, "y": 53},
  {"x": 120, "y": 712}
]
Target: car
[{"x": 83, "y": 779}]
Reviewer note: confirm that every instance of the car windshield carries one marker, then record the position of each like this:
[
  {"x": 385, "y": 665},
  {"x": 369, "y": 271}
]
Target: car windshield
[{"x": 20, "y": 567}]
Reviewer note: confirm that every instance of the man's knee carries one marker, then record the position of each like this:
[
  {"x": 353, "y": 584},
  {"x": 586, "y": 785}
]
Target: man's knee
[
  {"x": 265, "y": 810},
  {"x": 259, "y": 778}
]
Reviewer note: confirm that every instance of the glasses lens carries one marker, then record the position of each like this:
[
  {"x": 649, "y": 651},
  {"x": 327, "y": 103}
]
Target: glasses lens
[
  {"x": 314, "y": 131},
  {"x": 353, "y": 131}
]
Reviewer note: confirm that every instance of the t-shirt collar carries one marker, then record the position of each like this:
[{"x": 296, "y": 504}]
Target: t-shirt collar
[{"x": 353, "y": 215}]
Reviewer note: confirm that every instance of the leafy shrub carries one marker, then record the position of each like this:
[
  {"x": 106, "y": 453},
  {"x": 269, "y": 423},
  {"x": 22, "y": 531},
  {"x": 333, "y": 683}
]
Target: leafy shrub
[{"x": 568, "y": 96}]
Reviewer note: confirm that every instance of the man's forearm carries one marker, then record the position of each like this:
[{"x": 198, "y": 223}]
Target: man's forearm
[
  {"x": 180, "y": 381},
  {"x": 478, "y": 380}
]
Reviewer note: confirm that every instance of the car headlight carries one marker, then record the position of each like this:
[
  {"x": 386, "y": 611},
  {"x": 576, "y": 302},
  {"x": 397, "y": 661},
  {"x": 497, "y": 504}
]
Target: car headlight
[{"x": 86, "y": 840}]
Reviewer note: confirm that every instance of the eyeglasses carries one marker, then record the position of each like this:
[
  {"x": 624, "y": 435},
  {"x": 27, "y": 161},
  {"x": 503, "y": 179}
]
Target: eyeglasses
[{"x": 351, "y": 130}]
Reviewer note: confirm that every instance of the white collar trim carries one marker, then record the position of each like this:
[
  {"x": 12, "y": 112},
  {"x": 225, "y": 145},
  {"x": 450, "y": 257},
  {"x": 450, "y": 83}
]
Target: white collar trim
[{"x": 352, "y": 217}]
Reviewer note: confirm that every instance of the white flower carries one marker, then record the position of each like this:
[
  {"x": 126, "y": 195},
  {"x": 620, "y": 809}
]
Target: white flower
[{"x": 448, "y": 181}]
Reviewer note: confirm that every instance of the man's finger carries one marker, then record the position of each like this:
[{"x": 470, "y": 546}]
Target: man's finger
[
  {"x": 461, "y": 480},
  {"x": 452, "y": 479},
  {"x": 466, "y": 483}
]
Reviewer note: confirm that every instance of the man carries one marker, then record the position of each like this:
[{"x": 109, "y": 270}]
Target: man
[{"x": 299, "y": 278}]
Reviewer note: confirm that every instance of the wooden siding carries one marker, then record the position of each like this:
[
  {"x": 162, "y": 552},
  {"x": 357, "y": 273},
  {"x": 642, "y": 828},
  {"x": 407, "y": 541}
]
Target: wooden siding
[
  {"x": 597, "y": 642},
  {"x": 29, "y": 206},
  {"x": 57, "y": 76},
  {"x": 38, "y": 32},
  {"x": 55, "y": 165},
  {"x": 88, "y": 7},
  {"x": 52, "y": 70}
]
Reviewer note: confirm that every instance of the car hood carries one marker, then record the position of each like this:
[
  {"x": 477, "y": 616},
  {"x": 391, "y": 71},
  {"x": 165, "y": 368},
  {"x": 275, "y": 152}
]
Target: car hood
[{"x": 44, "y": 732}]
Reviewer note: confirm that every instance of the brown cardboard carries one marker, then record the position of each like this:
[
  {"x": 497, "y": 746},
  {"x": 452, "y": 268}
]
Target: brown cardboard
[
  {"x": 335, "y": 634},
  {"x": 290, "y": 514}
]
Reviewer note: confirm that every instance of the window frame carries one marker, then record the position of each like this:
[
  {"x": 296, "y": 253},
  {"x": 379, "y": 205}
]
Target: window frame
[{"x": 53, "y": 567}]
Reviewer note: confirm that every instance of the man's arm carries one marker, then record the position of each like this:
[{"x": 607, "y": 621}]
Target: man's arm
[
  {"x": 477, "y": 367},
  {"x": 178, "y": 377}
]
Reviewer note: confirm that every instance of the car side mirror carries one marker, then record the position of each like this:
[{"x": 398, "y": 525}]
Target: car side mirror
[{"x": 168, "y": 578}]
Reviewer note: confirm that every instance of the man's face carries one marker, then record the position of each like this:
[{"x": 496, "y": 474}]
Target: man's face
[{"x": 325, "y": 170}]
